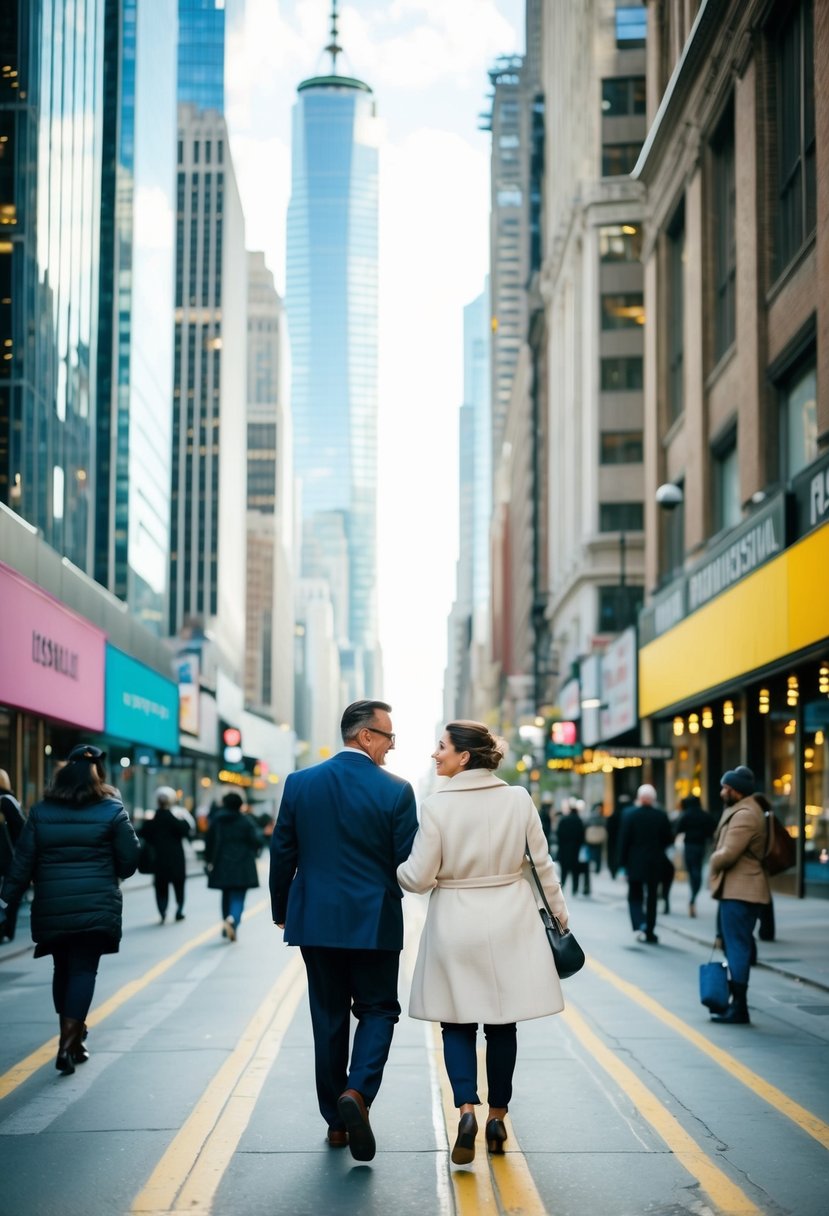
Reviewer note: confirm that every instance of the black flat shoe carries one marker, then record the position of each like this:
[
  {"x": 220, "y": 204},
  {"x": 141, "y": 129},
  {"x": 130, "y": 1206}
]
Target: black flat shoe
[
  {"x": 64, "y": 1063},
  {"x": 496, "y": 1134},
  {"x": 464, "y": 1151}
]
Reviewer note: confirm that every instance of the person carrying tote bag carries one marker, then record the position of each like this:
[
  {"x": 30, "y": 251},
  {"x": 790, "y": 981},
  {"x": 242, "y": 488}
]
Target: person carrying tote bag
[{"x": 483, "y": 955}]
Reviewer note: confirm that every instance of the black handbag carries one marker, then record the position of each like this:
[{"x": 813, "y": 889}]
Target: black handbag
[
  {"x": 567, "y": 953},
  {"x": 146, "y": 857}
]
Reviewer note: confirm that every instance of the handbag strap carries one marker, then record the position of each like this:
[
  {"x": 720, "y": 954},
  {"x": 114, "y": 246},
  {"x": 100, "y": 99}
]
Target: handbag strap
[{"x": 536, "y": 879}]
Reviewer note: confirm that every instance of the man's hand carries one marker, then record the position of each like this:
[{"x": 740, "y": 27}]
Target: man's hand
[{"x": 278, "y": 925}]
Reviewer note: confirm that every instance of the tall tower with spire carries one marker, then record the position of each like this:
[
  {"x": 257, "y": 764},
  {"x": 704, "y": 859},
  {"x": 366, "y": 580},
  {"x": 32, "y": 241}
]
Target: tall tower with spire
[{"x": 331, "y": 303}]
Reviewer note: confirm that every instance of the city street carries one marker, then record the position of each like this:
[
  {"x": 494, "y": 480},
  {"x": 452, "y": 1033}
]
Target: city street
[{"x": 199, "y": 1093}]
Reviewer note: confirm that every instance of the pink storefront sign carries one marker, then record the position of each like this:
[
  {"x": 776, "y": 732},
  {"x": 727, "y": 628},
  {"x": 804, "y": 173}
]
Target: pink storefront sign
[{"x": 51, "y": 660}]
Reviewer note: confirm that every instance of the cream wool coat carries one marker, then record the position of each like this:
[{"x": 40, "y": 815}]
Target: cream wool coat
[{"x": 483, "y": 955}]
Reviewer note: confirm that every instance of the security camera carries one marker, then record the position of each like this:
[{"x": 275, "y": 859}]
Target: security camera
[{"x": 669, "y": 496}]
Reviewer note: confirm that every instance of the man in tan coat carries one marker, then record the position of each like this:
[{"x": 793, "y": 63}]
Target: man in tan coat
[{"x": 738, "y": 880}]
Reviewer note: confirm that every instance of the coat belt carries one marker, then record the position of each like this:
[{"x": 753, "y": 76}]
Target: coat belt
[{"x": 481, "y": 880}]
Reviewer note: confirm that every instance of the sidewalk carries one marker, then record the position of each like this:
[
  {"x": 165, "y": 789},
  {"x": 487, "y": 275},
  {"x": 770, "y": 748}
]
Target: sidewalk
[{"x": 801, "y": 948}]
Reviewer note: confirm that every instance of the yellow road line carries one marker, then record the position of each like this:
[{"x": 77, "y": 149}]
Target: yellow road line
[
  {"x": 725, "y": 1195},
  {"x": 785, "y": 1105},
  {"x": 200, "y": 1152},
  {"x": 491, "y": 1184},
  {"x": 20, "y": 1072}
]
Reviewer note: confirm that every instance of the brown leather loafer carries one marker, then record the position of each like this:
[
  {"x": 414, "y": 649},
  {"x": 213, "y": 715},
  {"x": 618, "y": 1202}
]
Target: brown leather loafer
[
  {"x": 337, "y": 1137},
  {"x": 354, "y": 1114}
]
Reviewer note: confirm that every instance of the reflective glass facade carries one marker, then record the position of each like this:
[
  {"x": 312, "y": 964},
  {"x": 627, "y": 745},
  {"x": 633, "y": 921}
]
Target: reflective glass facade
[
  {"x": 135, "y": 355},
  {"x": 332, "y": 319},
  {"x": 201, "y": 53},
  {"x": 51, "y": 135}
]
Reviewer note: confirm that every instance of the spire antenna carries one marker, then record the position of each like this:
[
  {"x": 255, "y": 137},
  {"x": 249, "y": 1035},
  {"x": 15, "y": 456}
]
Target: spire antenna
[{"x": 334, "y": 49}]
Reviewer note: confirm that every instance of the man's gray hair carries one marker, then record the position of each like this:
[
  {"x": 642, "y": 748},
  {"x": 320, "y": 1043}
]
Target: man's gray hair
[
  {"x": 359, "y": 715},
  {"x": 646, "y": 794}
]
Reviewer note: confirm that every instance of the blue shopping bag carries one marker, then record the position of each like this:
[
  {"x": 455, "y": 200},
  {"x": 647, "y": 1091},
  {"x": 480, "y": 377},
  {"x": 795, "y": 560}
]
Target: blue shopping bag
[{"x": 713, "y": 985}]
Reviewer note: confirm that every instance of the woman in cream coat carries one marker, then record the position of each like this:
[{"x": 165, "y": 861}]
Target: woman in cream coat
[{"x": 483, "y": 955}]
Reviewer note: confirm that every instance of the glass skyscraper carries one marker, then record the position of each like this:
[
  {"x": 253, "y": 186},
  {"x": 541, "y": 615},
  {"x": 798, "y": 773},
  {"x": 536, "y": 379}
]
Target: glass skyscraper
[
  {"x": 51, "y": 117},
  {"x": 201, "y": 54},
  {"x": 332, "y": 319},
  {"x": 135, "y": 355}
]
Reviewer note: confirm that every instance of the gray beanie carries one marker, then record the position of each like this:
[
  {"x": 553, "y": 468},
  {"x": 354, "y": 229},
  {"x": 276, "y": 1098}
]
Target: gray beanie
[{"x": 740, "y": 779}]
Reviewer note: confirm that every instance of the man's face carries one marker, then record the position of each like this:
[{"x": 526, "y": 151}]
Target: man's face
[
  {"x": 729, "y": 795},
  {"x": 378, "y": 739}
]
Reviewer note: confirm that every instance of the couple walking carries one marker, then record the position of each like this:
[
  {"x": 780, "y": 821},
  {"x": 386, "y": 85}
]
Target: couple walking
[{"x": 346, "y": 840}]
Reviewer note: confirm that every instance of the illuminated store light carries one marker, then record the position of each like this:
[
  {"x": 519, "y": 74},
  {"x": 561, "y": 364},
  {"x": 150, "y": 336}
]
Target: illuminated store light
[
  {"x": 693, "y": 724},
  {"x": 679, "y": 726},
  {"x": 763, "y": 706},
  {"x": 707, "y": 717},
  {"x": 792, "y": 691},
  {"x": 823, "y": 678},
  {"x": 728, "y": 713}
]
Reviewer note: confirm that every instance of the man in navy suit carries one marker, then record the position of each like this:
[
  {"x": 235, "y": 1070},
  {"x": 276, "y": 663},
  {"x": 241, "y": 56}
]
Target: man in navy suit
[{"x": 344, "y": 827}]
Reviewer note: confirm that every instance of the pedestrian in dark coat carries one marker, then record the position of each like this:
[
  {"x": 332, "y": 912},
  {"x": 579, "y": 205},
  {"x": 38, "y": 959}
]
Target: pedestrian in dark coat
[
  {"x": 644, "y": 835},
  {"x": 166, "y": 833},
  {"x": 570, "y": 840},
  {"x": 11, "y": 825},
  {"x": 614, "y": 824},
  {"x": 232, "y": 846},
  {"x": 696, "y": 827},
  {"x": 76, "y": 846}
]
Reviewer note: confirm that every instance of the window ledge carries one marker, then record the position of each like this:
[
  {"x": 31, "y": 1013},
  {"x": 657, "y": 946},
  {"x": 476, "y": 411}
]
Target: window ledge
[
  {"x": 789, "y": 271},
  {"x": 720, "y": 366}
]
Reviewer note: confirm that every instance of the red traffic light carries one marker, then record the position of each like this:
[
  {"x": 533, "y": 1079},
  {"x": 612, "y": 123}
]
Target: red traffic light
[{"x": 232, "y": 737}]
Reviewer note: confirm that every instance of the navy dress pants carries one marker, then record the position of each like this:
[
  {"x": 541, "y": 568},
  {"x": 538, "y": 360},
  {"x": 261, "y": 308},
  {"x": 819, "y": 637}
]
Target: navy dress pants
[
  {"x": 342, "y": 982},
  {"x": 461, "y": 1059}
]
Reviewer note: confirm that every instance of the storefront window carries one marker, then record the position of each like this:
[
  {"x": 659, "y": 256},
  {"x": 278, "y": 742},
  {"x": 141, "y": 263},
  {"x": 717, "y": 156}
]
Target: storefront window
[
  {"x": 781, "y": 752},
  {"x": 816, "y": 792}
]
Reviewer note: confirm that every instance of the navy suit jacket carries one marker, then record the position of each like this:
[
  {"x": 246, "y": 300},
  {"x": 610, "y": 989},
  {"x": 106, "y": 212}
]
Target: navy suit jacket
[{"x": 344, "y": 827}]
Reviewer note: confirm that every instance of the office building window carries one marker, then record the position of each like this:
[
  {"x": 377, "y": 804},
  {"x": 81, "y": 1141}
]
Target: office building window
[
  {"x": 623, "y": 311},
  {"x": 623, "y": 95},
  {"x": 725, "y": 476},
  {"x": 631, "y": 26},
  {"x": 622, "y": 375},
  {"x": 621, "y": 516},
  {"x": 621, "y": 447},
  {"x": 676, "y": 315},
  {"x": 796, "y": 186},
  {"x": 620, "y": 243},
  {"x": 798, "y": 419},
  {"x": 619, "y": 159},
  {"x": 619, "y": 607},
  {"x": 724, "y": 236}
]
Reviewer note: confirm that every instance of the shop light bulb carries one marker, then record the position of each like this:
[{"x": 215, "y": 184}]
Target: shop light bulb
[
  {"x": 792, "y": 691},
  {"x": 707, "y": 718},
  {"x": 693, "y": 724},
  {"x": 679, "y": 727},
  {"x": 763, "y": 701},
  {"x": 728, "y": 713},
  {"x": 823, "y": 678}
]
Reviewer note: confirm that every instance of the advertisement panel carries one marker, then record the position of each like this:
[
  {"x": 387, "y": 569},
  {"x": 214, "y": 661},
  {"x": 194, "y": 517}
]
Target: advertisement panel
[
  {"x": 51, "y": 660},
  {"x": 619, "y": 711},
  {"x": 187, "y": 669},
  {"x": 141, "y": 706}
]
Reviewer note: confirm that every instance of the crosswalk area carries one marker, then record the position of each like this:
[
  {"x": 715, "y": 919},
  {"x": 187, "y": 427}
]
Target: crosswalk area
[{"x": 199, "y": 1093}]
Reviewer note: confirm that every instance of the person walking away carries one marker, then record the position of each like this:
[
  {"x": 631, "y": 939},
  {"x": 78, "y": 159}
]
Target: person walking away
[
  {"x": 737, "y": 879},
  {"x": 595, "y": 835},
  {"x": 483, "y": 955},
  {"x": 643, "y": 837},
  {"x": 614, "y": 823},
  {"x": 570, "y": 841},
  {"x": 696, "y": 827},
  {"x": 233, "y": 843},
  {"x": 343, "y": 828},
  {"x": 11, "y": 825},
  {"x": 166, "y": 832},
  {"x": 76, "y": 845},
  {"x": 545, "y": 815}
]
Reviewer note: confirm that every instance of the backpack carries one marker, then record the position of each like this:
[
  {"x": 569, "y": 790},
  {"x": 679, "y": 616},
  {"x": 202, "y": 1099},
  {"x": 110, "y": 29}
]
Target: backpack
[{"x": 781, "y": 850}]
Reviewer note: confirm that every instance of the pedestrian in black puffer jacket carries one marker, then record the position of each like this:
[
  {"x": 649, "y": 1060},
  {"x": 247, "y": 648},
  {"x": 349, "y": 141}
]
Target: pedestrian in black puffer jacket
[
  {"x": 75, "y": 847},
  {"x": 230, "y": 851}
]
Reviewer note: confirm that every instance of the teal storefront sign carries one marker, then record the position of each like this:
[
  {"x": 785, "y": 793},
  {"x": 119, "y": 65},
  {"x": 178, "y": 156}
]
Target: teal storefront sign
[{"x": 141, "y": 706}]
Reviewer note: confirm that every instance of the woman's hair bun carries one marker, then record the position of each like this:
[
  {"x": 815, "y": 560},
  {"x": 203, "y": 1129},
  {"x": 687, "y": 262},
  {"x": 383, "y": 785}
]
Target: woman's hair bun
[{"x": 485, "y": 749}]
